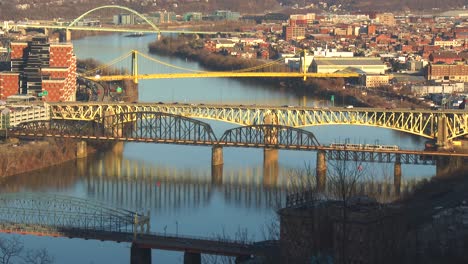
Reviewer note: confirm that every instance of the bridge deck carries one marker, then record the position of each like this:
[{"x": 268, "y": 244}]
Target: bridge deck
[{"x": 148, "y": 240}]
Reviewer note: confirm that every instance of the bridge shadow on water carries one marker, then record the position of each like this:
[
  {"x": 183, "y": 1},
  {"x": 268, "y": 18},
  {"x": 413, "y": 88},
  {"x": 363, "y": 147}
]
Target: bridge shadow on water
[{"x": 120, "y": 182}]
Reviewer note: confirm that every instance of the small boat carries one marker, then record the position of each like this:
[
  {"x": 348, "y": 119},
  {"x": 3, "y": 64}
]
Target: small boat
[{"x": 135, "y": 35}]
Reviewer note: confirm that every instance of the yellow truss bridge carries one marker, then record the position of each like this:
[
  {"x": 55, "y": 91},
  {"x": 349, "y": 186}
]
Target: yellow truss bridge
[
  {"x": 259, "y": 71},
  {"x": 443, "y": 126}
]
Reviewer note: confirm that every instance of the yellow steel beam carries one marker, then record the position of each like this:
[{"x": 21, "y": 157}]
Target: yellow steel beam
[
  {"x": 224, "y": 75},
  {"x": 418, "y": 122}
]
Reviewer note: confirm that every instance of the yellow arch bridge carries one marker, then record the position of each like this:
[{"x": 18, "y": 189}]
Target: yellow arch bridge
[{"x": 443, "y": 126}]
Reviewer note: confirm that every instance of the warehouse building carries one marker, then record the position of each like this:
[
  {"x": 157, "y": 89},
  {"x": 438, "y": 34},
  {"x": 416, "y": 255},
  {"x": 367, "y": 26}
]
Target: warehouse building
[{"x": 331, "y": 65}]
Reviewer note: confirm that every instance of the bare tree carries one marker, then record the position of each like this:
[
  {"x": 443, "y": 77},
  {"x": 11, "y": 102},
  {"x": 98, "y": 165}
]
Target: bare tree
[
  {"x": 344, "y": 178},
  {"x": 10, "y": 249},
  {"x": 241, "y": 236},
  {"x": 38, "y": 256}
]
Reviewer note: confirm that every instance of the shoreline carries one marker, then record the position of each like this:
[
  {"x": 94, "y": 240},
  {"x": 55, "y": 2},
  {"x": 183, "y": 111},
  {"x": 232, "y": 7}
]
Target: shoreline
[{"x": 322, "y": 88}]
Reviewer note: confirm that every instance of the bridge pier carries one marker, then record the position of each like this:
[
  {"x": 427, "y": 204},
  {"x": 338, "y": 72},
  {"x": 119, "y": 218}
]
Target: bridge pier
[
  {"x": 217, "y": 156},
  {"x": 270, "y": 156},
  {"x": 270, "y": 171},
  {"x": 442, "y": 132},
  {"x": 397, "y": 176},
  {"x": 81, "y": 149},
  {"x": 217, "y": 175},
  {"x": 140, "y": 255},
  {"x": 192, "y": 258},
  {"x": 321, "y": 170}
]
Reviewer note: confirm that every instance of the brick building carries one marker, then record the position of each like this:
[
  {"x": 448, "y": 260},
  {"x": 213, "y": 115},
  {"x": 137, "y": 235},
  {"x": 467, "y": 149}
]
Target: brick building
[
  {"x": 38, "y": 66},
  {"x": 453, "y": 72}
]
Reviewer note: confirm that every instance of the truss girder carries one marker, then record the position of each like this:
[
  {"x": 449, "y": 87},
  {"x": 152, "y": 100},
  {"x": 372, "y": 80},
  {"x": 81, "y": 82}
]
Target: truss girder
[
  {"x": 140, "y": 126},
  {"x": 269, "y": 136},
  {"x": 58, "y": 212},
  {"x": 419, "y": 122},
  {"x": 381, "y": 157},
  {"x": 158, "y": 126}
]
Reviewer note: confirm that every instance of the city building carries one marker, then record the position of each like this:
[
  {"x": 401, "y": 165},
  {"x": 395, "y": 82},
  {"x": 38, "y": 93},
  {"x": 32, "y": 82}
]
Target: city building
[
  {"x": 226, "y": 15},
  {"x": 453, "y": 72},
  {"x": 374, "y": 80},
  {"x": 124, "y": 19},
  {"x": 385, "y": 19},
  {"x": 40, "y": 68},
  {"x": 163, "y": 17},
  {"x": 193, "y": 16},
  {"x": 331, "y": 65}
]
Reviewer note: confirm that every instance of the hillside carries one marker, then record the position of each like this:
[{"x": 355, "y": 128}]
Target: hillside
[{"x": 72, "y": 8}]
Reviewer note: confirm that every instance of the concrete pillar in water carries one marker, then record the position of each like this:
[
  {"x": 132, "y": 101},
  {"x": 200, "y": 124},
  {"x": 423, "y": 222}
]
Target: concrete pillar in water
[
  {"x": 270, "y": 171},
  {"x": 140, "y": 255},
  {"x": 82, "y": 165},
  {"x": 321, "y": 170},
  {"x": 217, "y": 156},
  {"x": 192, "y": 258},
  {"x": 397, "y": 175},
  {"x": 81, "y": 149},
  {"x": 270, "y": 156},
  {"x": 217, "y": 175}
]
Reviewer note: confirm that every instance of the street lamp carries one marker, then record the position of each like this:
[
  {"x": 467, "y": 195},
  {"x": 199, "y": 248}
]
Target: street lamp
[
  {"x": 343, "y": 94},
  {"x": 177, "y": 228}
]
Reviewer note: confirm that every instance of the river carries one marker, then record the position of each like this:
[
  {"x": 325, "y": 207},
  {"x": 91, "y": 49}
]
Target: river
[{"x": 174, "y": 182}]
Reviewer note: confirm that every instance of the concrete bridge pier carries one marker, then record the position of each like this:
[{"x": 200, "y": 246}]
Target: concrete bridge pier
[
  {"x": 397, "y": 176},
  {"x": 442, "y": 133},
  {"x": 81, "y": 149},
  {"x": 270, "y": 168},
  {"x": 217, "y": 175},
  {"x": 321, "y": 170},
  {"x": 192, "y": 258},
  {"x": 140, "y": 255},
  {"x": 217, "y": 156}
]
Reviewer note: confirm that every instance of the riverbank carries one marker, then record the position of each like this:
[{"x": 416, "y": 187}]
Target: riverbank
[
  {"x": 187, "y": 47},
  {"x": 20, "y": 156}
]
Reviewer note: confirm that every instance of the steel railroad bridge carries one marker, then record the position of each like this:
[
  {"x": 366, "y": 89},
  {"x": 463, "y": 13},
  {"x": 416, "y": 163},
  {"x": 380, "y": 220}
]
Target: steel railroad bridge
[
  {"x": 62, "y": 216},
  {"x": 270, "y": 128},
  {"x": 443, "y": 126}
]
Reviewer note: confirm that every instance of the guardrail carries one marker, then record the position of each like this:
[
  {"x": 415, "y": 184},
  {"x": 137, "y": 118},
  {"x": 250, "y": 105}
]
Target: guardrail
[{"x": 20, "y": 115}]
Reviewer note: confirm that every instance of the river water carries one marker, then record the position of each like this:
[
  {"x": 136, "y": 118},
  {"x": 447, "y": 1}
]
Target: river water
[{"x": 174, "y": 182}]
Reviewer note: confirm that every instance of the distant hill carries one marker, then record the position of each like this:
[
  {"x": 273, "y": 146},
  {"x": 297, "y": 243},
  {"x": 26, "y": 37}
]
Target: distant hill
[
  {"x": 47, "y": 9},
  {"x": 385, "y": 5}
]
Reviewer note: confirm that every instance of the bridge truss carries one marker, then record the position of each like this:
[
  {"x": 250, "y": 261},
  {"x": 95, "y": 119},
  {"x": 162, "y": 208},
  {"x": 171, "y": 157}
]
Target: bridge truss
[
  {"x": 168, "y": 128},
  {"x": 452, "y": 124},
  {"x": 60, "y": 215}
]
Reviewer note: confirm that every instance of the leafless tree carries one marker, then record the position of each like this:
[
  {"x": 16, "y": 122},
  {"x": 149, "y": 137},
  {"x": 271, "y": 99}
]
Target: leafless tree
[
  {"x": 10, "y": 249},
  {"x": 38, "y": 256},
  {"x": 344, "y": 177},
  {"x": 241, "y": 236}
]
